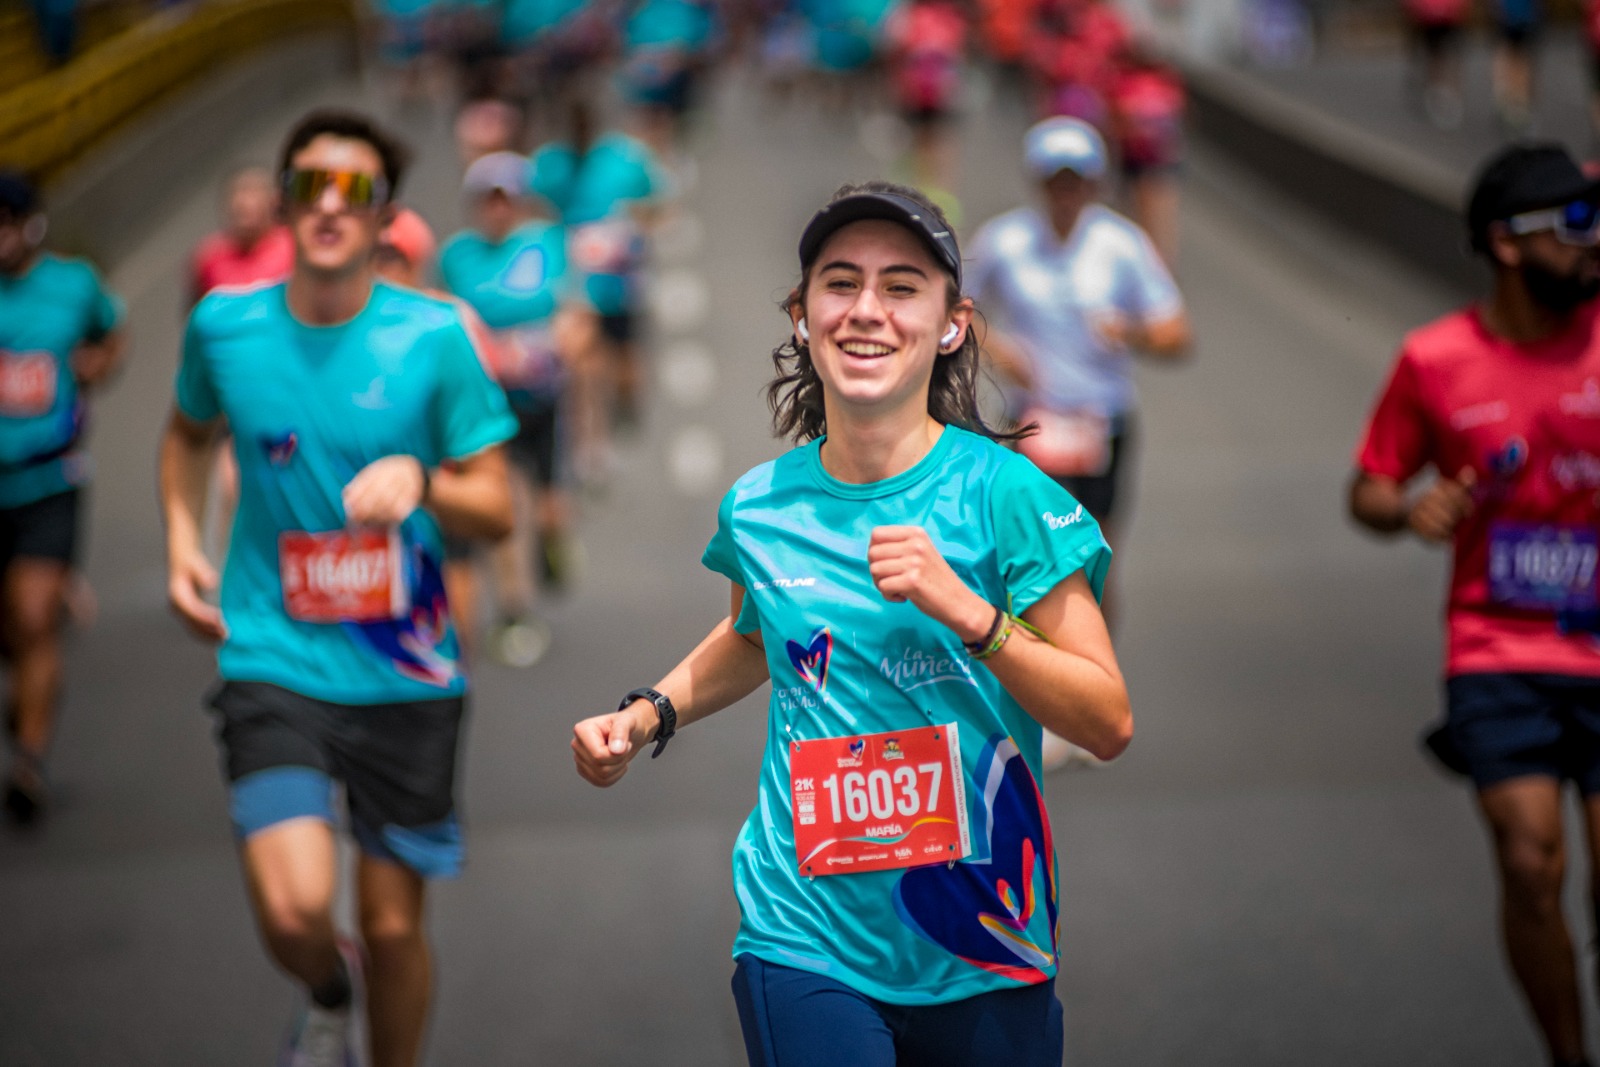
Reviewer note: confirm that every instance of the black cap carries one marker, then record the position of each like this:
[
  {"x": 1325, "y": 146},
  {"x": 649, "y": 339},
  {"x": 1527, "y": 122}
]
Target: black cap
[
  {"x": 18, "y": 196},
  {"x": 1525, "y": 177},
  {"x": 888, "y": 206}
]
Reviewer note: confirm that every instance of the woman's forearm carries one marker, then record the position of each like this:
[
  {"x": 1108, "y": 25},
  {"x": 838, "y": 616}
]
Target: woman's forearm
[{"x": 723, "y": 669}]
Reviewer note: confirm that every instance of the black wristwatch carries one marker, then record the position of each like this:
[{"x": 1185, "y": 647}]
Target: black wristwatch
[{"x": 664, "y": 708}]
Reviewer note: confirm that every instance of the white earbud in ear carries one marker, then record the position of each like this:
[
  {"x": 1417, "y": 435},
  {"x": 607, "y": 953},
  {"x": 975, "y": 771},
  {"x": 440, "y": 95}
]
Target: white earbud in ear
[
  {"x": 34, "y": 229},
  {"x": 950, "y": 336},
  {"x": 804, "y": 334}
]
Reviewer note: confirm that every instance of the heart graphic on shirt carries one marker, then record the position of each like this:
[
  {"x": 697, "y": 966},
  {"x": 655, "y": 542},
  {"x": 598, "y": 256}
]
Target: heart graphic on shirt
[
  {"x": 811, "y": 659},
  {"x": 280, "y": 449}
]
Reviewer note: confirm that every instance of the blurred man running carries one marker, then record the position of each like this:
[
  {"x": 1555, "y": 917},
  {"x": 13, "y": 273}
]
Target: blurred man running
[
  {"x": 252, "y": 245},
  {"x": 1075, "y": 290},
  {"x": 59, "y": 339},
  {"x": 1502, "y": 401},
  {"x": 512, "y": 268},
  {"x": 346, "y": 396}
]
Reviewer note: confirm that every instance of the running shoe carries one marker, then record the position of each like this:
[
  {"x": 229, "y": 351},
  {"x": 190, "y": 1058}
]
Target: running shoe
[
  {"x": 325, "y": 1037},
  {"x": 560, "y": 562},
  {"x": 522, "y": 642},
  {"x": 27, "y": 794}
]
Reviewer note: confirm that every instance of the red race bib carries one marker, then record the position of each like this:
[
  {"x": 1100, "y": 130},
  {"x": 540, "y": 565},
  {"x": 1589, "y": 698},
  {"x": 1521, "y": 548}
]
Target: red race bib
[
  {"x": 1069, "y": 444},
  {"x": 875, "y": 802},
  {"x": 27, "y": 383},
  {"x": 343, "y": 575}
]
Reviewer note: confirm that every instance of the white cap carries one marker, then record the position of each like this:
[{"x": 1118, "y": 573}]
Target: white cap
[
  {"x": 504, "y": 171},
  {"x": 1059, "y": 144}
]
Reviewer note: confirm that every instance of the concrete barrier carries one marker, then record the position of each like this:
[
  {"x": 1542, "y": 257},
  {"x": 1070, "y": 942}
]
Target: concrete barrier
[{"x": 1399, "y": 199}]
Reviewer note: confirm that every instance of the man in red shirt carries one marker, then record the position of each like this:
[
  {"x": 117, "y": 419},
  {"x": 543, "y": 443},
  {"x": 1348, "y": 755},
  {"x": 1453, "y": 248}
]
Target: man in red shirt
[
  {"x": 1502, "y": 400},
  {"x": 252, "y": 247}
]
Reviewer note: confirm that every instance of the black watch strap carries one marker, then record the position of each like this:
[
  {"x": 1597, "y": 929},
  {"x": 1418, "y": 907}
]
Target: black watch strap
[{"x": 664, "y": 708}]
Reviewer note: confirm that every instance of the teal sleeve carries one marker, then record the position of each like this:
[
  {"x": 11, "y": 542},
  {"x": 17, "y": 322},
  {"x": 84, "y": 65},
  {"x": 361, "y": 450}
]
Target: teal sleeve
[
  {"x": 722, "y": 556},
  {"x": 471, "y": 412},
  {"x": 444, "y": 270},
  {"x": 103, "y": 311},
  {"x": 1042, "y": 535},
  {"x": 194, "y": 390}
]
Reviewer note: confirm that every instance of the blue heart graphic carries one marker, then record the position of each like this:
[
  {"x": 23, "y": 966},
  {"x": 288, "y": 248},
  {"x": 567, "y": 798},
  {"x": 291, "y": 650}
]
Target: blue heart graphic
[{"x": 811, "y": 659}]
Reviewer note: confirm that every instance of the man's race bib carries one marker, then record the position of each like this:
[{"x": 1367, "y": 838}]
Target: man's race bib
[
  {"x": 1069, "y": 444},
  {"x": 343, "y": 575},
  {"x": 875, "y": 802},
  {"x": 527, "y": 358},
  {"x": 1543, "y": 567},
  {"x": 27, "y": 383},
  {"x": 611, "y": 246}
]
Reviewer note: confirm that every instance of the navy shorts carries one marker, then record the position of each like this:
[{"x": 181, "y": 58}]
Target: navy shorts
[
  {"x": 794, "y": 1018},
  {"x": 536, "y": 448},
  {"x": 283, "y": 752},
  {"x": 1503, "y": 726},
  {"x": 44, "y": 529}
]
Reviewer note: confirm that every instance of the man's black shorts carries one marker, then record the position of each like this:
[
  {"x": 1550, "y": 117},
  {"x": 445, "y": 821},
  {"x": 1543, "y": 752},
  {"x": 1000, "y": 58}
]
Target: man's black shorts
[
  {"x": 536, "y": 448},
  {"x": 1504, "y": 726},
  {"x": 283, "y": 752},
  {"x": 44, "y": 529}
]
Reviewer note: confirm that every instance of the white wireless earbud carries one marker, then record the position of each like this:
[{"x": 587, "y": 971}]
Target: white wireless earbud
[
  {"x": 805, "y": 334},
  {"x": 33, "y": 230},
  {"x": 950, "y": 336}
]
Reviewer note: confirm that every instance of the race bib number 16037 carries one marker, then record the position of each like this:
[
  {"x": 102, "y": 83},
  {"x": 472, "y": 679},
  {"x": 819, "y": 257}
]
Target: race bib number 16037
[{"x": 875, "y": 802}]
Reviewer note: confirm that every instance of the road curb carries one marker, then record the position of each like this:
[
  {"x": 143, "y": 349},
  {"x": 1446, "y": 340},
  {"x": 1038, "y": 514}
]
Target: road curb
[{"x": 1388, "y": 194}]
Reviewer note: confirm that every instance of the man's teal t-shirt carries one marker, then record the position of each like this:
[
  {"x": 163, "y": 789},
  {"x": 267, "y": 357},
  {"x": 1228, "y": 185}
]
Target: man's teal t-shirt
[
  {"x": 310, "y": 407},
  {"x": 45, "y": 313},
  {"x": 516, "y": 286},
  {"x": 844, "y": 661},
  {"x": 593, "y": 195}
]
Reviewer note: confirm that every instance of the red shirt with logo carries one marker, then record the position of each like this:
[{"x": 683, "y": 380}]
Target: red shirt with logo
[
  {"x": 1526, "y": 419},
  {"x": 221, "y": 260}
]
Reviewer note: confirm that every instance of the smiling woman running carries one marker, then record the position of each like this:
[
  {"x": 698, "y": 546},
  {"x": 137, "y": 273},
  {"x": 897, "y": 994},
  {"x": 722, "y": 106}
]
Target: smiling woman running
[{"x": 922, "y": 600}]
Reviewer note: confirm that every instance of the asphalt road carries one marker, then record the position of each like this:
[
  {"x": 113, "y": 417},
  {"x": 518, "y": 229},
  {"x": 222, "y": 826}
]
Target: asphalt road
[{"x": 1271, "y": 875}]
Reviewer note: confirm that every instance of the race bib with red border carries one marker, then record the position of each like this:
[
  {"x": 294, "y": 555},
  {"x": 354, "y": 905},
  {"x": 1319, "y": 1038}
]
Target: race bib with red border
[
  {"x": 27, "y": 383},
  {"x": 1068, "y": 444},
  {"x": 877, "y": 802},
  {"x": 343, "y": 575}
]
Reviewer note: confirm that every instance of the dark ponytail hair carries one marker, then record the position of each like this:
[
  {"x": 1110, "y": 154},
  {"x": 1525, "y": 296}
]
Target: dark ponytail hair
[{"x": 795, "y": 393}]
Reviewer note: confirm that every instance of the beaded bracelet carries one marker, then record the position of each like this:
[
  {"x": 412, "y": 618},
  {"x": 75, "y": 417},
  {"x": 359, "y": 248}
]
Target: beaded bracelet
[
  {"x": 999, "y": 640},
  {"x": 982, "y": 643}
]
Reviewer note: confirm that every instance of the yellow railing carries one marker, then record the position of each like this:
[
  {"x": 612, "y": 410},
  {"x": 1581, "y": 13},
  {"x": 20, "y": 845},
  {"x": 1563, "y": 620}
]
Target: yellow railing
[{"x": 50, "y": 121}]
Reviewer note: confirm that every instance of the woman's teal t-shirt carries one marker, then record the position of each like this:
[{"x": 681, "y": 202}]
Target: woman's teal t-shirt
[{"x": 845, "y": 661}]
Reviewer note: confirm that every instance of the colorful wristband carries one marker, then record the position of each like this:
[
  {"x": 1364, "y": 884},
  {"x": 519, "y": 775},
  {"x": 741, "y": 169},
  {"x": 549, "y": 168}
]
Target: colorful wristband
[
  {"x": 999, "y": 640},
  {"x": 982, "y": 643}
]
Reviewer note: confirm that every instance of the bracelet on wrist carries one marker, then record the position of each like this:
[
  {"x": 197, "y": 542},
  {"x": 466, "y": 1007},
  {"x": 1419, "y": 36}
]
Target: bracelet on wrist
[
  {"x": 997, "y": 642},
  {"x": 1002, "y": 633},
  {"x": 982, "y": 643},
  {"x": 427, "y": 481}
]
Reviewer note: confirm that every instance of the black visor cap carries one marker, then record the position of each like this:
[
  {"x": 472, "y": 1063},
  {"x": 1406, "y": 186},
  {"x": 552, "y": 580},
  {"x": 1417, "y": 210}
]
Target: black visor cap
[
  {"x": 1525, "y": 177},
  {"x": 891, "y": 208}
]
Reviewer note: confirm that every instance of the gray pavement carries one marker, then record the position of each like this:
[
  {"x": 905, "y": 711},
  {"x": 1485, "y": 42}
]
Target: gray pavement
[
  {"x": 1271, "y": 875},
  {"x": 1366, "y": 85}
]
